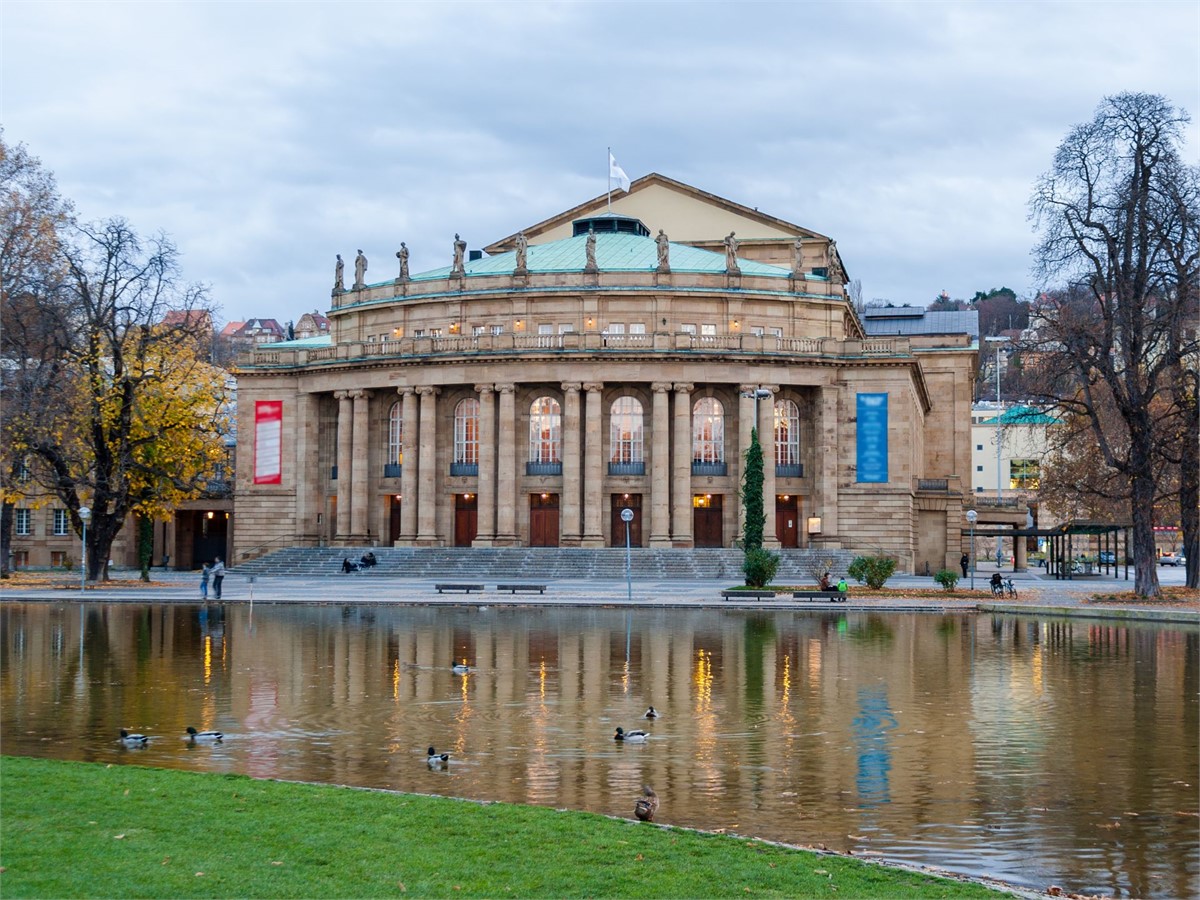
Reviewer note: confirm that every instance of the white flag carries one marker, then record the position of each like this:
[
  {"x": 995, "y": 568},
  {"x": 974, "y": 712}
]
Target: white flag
[{"x": 616, "y": 173}]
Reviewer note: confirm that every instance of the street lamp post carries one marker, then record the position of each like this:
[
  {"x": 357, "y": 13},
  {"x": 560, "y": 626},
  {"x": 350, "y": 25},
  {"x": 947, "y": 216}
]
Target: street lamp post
[
  {"x": 85, "y": 514},
  {"x": 998, "y": 341},
  {"x": 972, "y": 516},
  {"x": 627, "y": 517}
]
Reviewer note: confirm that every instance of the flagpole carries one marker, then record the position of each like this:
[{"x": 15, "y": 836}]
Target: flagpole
[{"x": 608, "y": 162}]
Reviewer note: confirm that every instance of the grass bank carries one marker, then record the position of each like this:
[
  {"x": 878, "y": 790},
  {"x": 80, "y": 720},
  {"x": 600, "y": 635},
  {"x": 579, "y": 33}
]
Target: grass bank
[{"x": 87, "y": 830}]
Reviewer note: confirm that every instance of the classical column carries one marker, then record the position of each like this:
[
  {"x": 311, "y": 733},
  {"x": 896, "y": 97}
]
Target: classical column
[
  {"x": 360, "y": 506},
  {"x": 826, "y": 449},
  {"x": 485, "y": 531},
  {"x": 572, "y": 465},
  {"x": 593, "y": 474},
  {"x": 408, "y": 472},
  {"x": 766, "y": 438},
  {"x": 745, "y": 423},
  {"x": 345, "y": 448},
  {"x": 427, "y": 493},
  {"x": 660, "y": 467},
  {"x": 506, "y": 467},
  {"x": 306, "y": 468},
  {"x": 681, "y": 520}
]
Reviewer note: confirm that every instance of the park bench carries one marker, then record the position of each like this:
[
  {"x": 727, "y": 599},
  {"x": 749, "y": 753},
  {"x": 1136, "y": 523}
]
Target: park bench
[
  {"x": 834, "y": 596},
  {"x": 513, "y": 588},
  {"x": 748, "y": 595},
  {"x": 458, "y": 587}
]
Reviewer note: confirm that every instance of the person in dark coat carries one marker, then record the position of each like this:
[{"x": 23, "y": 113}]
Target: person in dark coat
[{"x": 965, "y": 562}]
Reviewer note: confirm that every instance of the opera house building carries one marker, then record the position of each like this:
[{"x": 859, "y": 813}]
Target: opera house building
[{"x": 612, "y": 357}]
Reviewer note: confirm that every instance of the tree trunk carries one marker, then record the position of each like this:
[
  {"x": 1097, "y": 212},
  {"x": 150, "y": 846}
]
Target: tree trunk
[
  {"x": 6, "y": 526},
  {"x": 1145, "y": 571}
]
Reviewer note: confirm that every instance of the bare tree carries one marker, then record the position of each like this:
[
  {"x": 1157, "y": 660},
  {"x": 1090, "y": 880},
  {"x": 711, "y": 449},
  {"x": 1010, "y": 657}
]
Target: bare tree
[{"x": 1108, "y": 213}]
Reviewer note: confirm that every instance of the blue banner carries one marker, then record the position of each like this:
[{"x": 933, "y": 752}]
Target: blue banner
[{"x": 872, "y": 437}]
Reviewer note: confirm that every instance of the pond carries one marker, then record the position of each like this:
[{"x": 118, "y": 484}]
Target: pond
[{"x": 1035, "y": 750}]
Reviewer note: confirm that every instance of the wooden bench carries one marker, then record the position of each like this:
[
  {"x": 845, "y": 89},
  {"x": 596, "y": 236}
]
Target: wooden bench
[
  {"x": 834, "y": 596},
  {"x": 458, "y": 587},
  {"x": 513, "y": 588},
  {"x": 748, "y": 595}
]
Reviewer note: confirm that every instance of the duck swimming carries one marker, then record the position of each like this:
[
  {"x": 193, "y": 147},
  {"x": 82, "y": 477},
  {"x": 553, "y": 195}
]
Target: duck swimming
[
  {"x": 437, "y": 760},
  {"x": 651, "y": 713},
  {"x": 630, "y": 737},
  {"x": 133, "y": 740},
  {"x": 647, "y": 804},
  {"x": 206, "y": 737},
  {"x": 460, "y": 669}
]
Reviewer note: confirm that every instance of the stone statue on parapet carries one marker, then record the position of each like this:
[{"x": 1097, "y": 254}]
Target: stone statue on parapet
[
  {"x": 460, "y": 250},
  {"x": 798, "y": 257},
  {"x": 360, "y": 271},
  {"x": 522, "y": 252},
  {"x": 589, "y": 249},
  {"x": 731, "y": 248},
  {"x": 402, "y": 255},
  {"x": 833, "y": 269},
  {"x": 339, "y": 286},
  {"x": 664, "y": 251}
]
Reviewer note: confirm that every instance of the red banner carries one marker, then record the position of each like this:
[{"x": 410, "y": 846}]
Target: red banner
[{"x": 268, "y": 441}]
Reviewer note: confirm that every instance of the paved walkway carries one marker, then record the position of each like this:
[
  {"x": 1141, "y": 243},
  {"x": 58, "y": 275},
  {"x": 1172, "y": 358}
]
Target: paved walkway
[{"x": 1037, "y": 593}]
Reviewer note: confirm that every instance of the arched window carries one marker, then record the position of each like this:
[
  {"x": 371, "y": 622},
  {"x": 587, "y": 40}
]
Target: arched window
[
  {"x": 708, "y": 437},
  {"x": 466, "y": 438},
  {"x": 787, "y": 439},
  {"x": 395, "y": 442},
  {"x": 545, "y": 437},
  {"x": 625, "y": 436}
]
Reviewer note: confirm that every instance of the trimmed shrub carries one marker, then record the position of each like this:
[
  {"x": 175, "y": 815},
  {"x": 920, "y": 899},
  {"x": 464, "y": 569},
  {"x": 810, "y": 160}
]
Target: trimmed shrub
[
  {"x": 947, "y": 578},
  {"x": 760, "y": 566},
  {"x": 874, "y": 570}
]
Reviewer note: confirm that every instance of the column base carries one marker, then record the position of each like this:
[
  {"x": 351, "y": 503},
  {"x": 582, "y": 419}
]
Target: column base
[
  {"x": 427, "y": 542},
  {"x": 483, "y": 542},
  {"x": 592, "y": 541},
  {"x": 660, "y": 540},
  {"x": 683, "y": 543},
  {"x": 505, "y": 540}
]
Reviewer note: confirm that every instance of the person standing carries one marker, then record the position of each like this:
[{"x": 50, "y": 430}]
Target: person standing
[
  {"x": 204, "y": 573},
  {"x": 218, "y": 575},
  {"x": 965, "y": 562}
]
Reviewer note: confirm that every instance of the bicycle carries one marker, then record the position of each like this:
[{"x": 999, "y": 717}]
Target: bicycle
[{"x": 1010, "y": 589}]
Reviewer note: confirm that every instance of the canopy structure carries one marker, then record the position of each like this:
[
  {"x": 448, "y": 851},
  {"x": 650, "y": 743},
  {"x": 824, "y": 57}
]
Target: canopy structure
[{"x": 1063, "y": 561}]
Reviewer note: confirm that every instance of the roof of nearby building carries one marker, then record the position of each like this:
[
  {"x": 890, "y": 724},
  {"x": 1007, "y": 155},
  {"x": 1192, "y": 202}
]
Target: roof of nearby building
[
  {"x": 880, "y": 320},
  {"x": 259, "y": 325},
  {"x": 1021, "y": 415},
  {"x": 318, "y": 340},
  {"x": 614, "y": 253}
]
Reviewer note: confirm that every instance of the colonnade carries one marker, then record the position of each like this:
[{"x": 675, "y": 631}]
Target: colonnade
[{"x": 584, "y": 474}]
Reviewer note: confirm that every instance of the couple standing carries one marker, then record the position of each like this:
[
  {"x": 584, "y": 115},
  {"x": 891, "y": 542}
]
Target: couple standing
[{"x": 217, "y": 572}]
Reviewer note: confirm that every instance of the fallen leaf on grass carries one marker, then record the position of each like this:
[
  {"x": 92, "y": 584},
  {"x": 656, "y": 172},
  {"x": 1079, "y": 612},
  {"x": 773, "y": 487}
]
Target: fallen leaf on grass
[
  {"x": 166, "y": 859},
  {"x": 277, "y": 862},
  {"x": 118, "y": 837},
  {"x": 403, "y": 889},
  {"x": 199, "y": 874}
]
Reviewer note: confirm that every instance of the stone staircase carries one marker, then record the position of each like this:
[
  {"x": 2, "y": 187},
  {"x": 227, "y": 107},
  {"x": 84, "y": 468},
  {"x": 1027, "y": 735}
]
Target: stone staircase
[{"x": 537, "y": 563}]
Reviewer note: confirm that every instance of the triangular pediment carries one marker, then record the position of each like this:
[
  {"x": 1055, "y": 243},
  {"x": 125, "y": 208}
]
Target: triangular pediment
[{"x": 688, "y": 215}]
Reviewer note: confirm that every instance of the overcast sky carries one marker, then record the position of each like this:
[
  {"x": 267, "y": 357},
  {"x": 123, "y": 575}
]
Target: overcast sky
[{"x": 264, "y": 138}]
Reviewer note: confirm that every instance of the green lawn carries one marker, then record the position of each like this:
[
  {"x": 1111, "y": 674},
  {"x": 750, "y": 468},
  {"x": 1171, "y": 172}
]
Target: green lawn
[{"x": 87, "y": 830}]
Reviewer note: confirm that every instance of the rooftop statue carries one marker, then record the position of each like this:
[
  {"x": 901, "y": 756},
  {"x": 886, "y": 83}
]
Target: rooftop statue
[
  {"x": 522, "y": 250},
  {"x": 731, "y": 247},
  {"x": 460, "y": 250},
  {"x": 664, "y": 251},
  {"x": 339, "y": 286},
  {"x": 360, "y": 271},
  {"x": 833, "y": 268},
  {"x": 402, "y": 255},
  {"x": 590, "y": 252},
  {"x": 798, "y": 257}
]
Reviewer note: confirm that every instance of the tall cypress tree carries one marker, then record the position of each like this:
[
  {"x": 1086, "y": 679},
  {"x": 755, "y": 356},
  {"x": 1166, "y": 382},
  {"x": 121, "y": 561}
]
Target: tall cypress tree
[{"x": 752, "y": 495}]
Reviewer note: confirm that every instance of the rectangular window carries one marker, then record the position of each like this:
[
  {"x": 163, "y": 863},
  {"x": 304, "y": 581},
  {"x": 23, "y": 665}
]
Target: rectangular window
[
  {"x": 435, "y": 332},
  {"x": 637, "y": 327},
  {"x": 565, "y": 329},
  {"x": 418, "y": 332},
  {"x": 1024, "y": 474},
  {"x": 979, "y": 446},
  {"x": 756, "y": 330},
  {"x": 23, "y": 473},
  {"x": 688, "y": 328},
  {"x": 545, "y": 328},
  {"x": 615, "y": 328},
  {"x": 23, "y": 522},
  {"x": 777, "y": 332},
  {"x": 58, "y": 559},
  {"x": 708, "y": 330},
  {"x": 60, "y": 522},
  {"x": 477, "y": 330},
  {"x": 497, "y": 329},
  {"x": 979, "y": 468}
]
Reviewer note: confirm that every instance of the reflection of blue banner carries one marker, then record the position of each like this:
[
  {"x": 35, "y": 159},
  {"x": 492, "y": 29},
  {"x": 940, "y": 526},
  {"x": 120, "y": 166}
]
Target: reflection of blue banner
[
  {"x": 871, "y": 726},
  {"x": 872, "y": 437}
]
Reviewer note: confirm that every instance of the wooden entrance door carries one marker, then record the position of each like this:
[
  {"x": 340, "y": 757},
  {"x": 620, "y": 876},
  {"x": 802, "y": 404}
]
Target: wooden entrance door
[
  {"x": 393, "y": 519},
  {"x": 616, "y": 528},
  {"x": 706, "y": 521},
  {"x": 466, "y": 519},
  {"x": 543, "y": 520},
  {"x": 787, "y": 520}
]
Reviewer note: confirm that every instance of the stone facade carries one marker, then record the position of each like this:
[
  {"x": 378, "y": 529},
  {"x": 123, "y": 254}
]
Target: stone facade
[{"x": 502, "y": 406}]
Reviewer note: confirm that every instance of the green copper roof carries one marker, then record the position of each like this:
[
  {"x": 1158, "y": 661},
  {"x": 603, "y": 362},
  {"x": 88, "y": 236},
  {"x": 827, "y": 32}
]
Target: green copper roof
[
  {"x": 614, "y": 253},
  {"x": 1022, "y": 415}
]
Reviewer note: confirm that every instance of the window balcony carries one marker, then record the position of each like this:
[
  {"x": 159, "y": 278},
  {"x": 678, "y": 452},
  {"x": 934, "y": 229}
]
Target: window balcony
[
  {"x": 790, "y": 470},
  {"x": 392, "y": 470},
  {"x": 627, "y": 468},
  {"x": 333, "y": 473},
  {"x": 543, "y": 468},
  {"x": 464, "y": 468},
  {"x": 708, "y": 468}
]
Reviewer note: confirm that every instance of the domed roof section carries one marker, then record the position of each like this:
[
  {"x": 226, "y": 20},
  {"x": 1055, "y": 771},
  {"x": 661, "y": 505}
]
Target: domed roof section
[{"x": 614, "y": 253}]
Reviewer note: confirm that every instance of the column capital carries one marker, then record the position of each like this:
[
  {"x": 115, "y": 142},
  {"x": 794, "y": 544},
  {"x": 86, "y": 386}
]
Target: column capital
[
  {"x": 428, "y": 390},
  {"x": 684, "y": 387},
  {"x": 341, "y": 395},
  {"x": 405, "y": 390},
  {"x": 485, "y": 388},
  {"x": 773, "y": 388},
  {"x": 571, "y": 387},
  {"x": 360, "y": 393},
  {"x": 593, "y": 387},
  {"x": 660, "y": 387},
  {"x": 506, "y": 388},
  {"x": 747, "y": 389}
]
